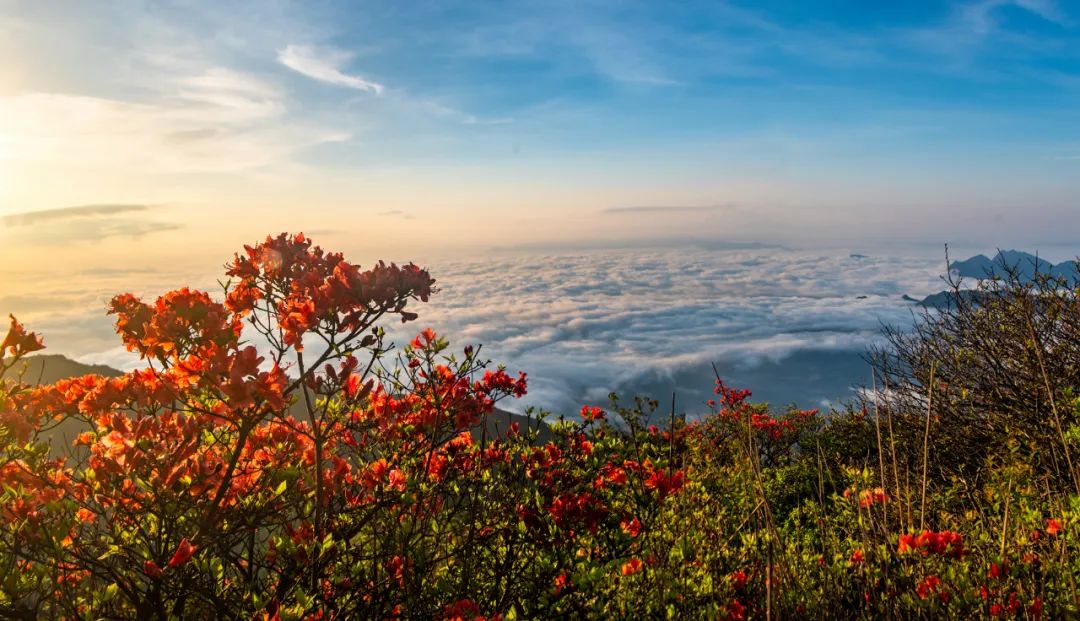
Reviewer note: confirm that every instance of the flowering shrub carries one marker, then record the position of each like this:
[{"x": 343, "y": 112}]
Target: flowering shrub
[{"x": 276, "y": 458}]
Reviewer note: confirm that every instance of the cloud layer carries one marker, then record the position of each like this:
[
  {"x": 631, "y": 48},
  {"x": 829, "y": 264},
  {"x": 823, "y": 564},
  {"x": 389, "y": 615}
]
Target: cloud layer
[
  {"x": 30, "y": 218},
  {"x": 585, "y": 324},
  {"x": 81, "y": 223},
  {"x": 658, "y": 209},
  {"x": 790, "y": 325}
]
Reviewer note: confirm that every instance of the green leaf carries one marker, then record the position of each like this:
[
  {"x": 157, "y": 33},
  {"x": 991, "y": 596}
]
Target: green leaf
[
  {"x": 113, "y": 549},
  {"x": 110, "y": 592}
]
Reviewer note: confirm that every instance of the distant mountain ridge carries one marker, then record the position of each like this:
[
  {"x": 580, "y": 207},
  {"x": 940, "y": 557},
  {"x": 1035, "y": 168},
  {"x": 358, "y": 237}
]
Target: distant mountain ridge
[
  {"x": 1024, "y": 264},
  {"x": 51, "y": 368}
]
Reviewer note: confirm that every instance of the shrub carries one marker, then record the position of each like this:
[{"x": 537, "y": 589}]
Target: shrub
[
  {"x": 999, "y": 361},
  {"x": 323, "y": 474}
]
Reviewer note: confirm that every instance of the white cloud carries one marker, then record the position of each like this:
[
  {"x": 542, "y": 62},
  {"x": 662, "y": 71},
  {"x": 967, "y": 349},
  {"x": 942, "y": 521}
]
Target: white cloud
[
  {"x": 203, "y": 129},
  {"x": 978, "y": 16},
  {"x": 786, "y": 324},
  {"x": 235, "y": 95},
  {"x": 585, "y": 324},
  {"x": 325, "y": 65}
]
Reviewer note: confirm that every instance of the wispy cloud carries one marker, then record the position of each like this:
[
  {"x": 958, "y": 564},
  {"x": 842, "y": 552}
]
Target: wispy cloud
[
  {"x": 966, "y": 35},
  {"x": 31, "y": 218},
  {"x": 234, "y": 95},
  {"x": 208, "y": 130},
  {"x": 97, "y": 230},
  {"x": 325, "y": 65},
  {"x": 398, "y": 213},
  {"x": 648, "y": 209},
  {"x": 981, "y": 19},
  {"x": 83, "y": 223},
  {"x": 441, "y": 110}
]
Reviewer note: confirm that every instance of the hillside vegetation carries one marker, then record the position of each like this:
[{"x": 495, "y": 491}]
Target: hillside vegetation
[{"x": 328, "y": 475}]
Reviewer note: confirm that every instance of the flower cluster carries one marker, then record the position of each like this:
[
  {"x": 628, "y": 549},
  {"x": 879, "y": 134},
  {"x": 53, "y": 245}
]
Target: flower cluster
[
  {"x": 943, "y": 543},
  {"x": 306, "y": 287},
  {"x": 18, "y": 342}
]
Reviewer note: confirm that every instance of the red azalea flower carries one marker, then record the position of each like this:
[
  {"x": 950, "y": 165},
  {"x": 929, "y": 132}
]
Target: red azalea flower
[
  {"x": 869, "y": 497},
  {"x": 928, "y": 586},
  {"x": 591, "y": 412},
  {"x": 736, "y": 611},
  {"x": 738, "y": 580},
  {"x": 183, "y": 553},
  {"x": 1036, "y": 607},
  {"x": 561, "y": 582}
]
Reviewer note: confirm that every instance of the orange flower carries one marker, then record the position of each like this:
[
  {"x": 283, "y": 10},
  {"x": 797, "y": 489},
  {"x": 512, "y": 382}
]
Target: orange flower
[
  {"x": 631, "y": 567},
  {"x": 869, "y": 497},
  {"x": 425, "y": 338},
  {"x": 18, "y": 341},
  {"x": 631, "y": 527},
  {"x": 1053, "y": 526},
  {"x": 397, "y": 480}
]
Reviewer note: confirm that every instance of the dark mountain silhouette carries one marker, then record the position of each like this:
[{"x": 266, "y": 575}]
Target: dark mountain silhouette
[
  {"x": 946, "y": 299},
  {"x": 49, "y": 368},
  {"x": 979, "y": 267},
  {"x": 1025, "y": 264}
]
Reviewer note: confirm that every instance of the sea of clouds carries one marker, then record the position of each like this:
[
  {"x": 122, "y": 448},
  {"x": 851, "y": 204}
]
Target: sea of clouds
[{"x": 790, "y": 325}]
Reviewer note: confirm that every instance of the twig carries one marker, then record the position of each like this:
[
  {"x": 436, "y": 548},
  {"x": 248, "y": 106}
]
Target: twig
[{"x": 926, "y": 445}]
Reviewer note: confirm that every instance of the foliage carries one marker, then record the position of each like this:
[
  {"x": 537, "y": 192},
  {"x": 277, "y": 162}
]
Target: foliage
[
  {"x": 997, "y": 361},
  {"x": 322, "y": 474}
]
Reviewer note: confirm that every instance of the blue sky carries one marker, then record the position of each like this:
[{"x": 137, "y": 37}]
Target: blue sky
[{"x": 539, "y": 122}]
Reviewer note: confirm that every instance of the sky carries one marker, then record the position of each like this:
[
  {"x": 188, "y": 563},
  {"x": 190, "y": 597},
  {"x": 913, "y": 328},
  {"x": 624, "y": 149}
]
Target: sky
[{"x": 175, "y": 130}]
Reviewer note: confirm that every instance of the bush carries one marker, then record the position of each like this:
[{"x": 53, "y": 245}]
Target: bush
[
  {"x": 326, "y": 475},
  {"x": 998, "y": 362}
]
